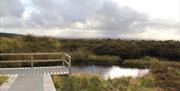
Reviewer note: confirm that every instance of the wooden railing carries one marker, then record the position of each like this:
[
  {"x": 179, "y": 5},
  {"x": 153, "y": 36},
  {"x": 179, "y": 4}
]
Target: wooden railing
[{"x": 63, "y": 57}]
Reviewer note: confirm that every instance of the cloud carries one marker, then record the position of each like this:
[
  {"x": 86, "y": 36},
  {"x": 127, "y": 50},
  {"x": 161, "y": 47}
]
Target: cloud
[
  {"x": 100, "y": 14},
  {"x": 70, "y": 10},
  {"x": 10, "y": 13},
  {"x": 12, "y": 8},
  {"x": 63, "y": 13},
  {"x": 9, "y": 22},
  {"x": 67, "y": 18},
  {"x": 111, "y": 17}
]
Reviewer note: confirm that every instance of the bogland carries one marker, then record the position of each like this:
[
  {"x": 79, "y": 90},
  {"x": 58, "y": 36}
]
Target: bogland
[
  {"x": 92, "y": 51},
  {"x": 161, "y": 57}
]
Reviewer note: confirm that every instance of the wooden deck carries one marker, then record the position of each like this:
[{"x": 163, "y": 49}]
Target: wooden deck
[
  {"x": 35, "y": 71},
  {"x": 28, "y": 83},
  {"x": 63, "y": 69}
]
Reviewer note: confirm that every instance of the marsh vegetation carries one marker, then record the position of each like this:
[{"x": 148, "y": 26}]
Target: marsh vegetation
[
  {"x": 160, "y": 57},
  {"x": 163, "y": 76}
]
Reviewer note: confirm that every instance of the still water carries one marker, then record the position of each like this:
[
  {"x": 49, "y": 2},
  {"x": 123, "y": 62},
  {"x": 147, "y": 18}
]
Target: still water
[{"x": 109, "y": 72}]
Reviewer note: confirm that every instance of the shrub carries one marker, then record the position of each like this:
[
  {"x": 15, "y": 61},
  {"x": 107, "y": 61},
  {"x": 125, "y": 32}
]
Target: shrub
[
  {"x": 166, "y": 74},
  {"x": 83, "y": 56},
  {"x": 147, "y": 58},
  {"x": 136, "y": 63}
]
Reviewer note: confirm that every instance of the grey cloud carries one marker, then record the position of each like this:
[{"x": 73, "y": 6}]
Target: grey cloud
[
  {"x": 11, "y": 14},
  {"x": 64, "y": 13},
  {"x": 69, "y": 11},
  {"x": 12, "y": 8},
  {"x": 9, "y": 22},
  {"x": 163, "y": 23},
  {"x": 111, "y": 19},
  {"x": 42, "y": 20}
]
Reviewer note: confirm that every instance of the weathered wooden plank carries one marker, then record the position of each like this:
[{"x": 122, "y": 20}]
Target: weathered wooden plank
[
  {"x": 66, "y": 62},
  {"x": 49, "y": 60},
  {"x": 14, "y": 61},
  {"x": 65, "y": 58},
  {"x": 14, "y": 54},
  {"x": 17, "y": 61},
  {"x": 53, "y": 70}
]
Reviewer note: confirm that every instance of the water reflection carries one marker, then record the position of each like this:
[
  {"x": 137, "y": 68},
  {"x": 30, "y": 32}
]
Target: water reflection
[{"x": 109, "y": 72}]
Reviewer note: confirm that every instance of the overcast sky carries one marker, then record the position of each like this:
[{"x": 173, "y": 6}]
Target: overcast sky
[{"x": 127, "y": 19}]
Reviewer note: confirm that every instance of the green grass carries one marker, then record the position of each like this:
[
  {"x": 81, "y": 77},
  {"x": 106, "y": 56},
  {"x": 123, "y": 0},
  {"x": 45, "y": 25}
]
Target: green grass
[
  {"x": 105, "y": 52},
  {"x": 83, "y": 82},
  {"x": 166, "y": 73},
  {"x": 78, "y": 83},
  {"x": 3, "y": 79},
  {"x": 145, "y": 62},
  {"x": 164, "y": 76},
  {"x": 84, "y": 57}
]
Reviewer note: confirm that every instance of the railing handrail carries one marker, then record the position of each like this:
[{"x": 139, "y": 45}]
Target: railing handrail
[
  {"x": 53, "y": 53},
  {"x": 32, "y": 60}
]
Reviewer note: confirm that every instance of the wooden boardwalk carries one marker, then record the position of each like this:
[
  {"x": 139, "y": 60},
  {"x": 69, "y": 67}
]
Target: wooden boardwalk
[
  {"x": 34, "y": 78},
  {"x": 35, "y": 71},
  {"x": 29, "y": 83},
  {"x": 63, "y": 58}
]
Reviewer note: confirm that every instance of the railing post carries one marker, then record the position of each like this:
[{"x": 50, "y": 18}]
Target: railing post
[
  {"x": 63, "y": 63},
  {"x": 32, "y": 63},
  {"x": 68, "y": 60},
  {"x": 69, "y": 65}
]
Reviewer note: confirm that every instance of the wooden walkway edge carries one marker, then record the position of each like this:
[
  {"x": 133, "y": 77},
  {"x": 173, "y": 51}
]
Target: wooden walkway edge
[{"x": 26, "y": 83}]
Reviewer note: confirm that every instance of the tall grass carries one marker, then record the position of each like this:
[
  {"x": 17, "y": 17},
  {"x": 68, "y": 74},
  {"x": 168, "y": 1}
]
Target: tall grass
[
  {"x": 82, "y": 56},
  {"x": 79, "y": 83},
  {"x": 94, "y": 83},
  {"x": 145, "y": 62},
  {"x": 166, "y": 74},
  {"x": 3, "y": 79}
]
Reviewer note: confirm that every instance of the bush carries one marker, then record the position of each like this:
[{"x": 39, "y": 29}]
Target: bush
[
  {"x": 136, "y": 63},
  {"x": 29, "y": 44},
  {"x": 82, "y": 56},
  {"x": 147, "y": 58},
  {"x": 166, "y": 74}
]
